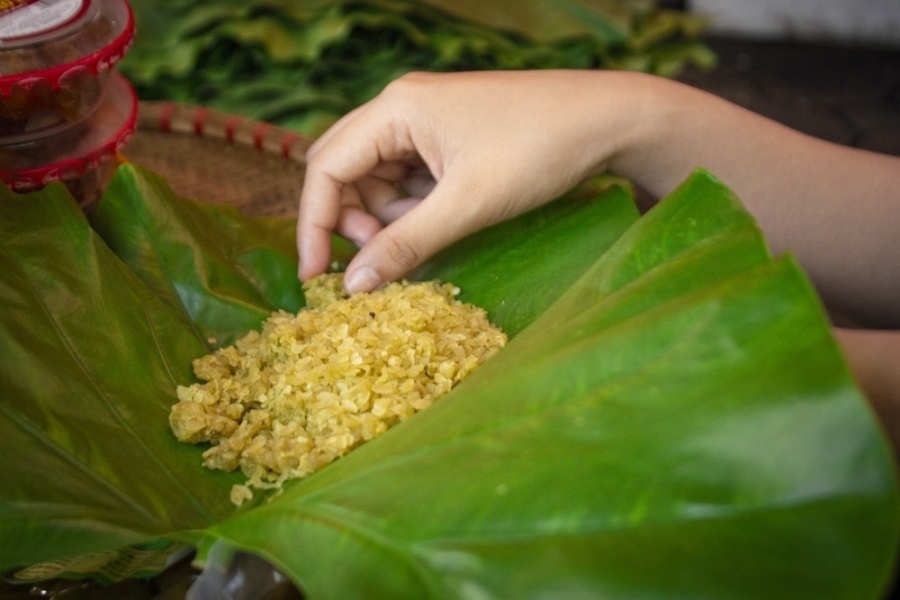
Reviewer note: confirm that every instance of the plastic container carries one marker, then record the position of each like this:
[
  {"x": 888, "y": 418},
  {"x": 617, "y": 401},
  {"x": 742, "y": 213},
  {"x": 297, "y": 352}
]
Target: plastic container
[
  {"x": 81, "y": 157},
  {"x": 55, "y": 56}
]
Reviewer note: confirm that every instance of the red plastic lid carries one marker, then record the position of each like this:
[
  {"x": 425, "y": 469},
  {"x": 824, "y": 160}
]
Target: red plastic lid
[
  {"x": 79, "y": 150},
  {"x": 45, "y": 42}
]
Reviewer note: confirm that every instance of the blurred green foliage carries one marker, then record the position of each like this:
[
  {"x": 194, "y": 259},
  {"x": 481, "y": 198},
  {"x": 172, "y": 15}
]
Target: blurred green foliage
[{"x": 302, "y": 64}]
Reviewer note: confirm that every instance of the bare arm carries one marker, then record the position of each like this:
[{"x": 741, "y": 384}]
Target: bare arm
[
  {"x": 837, "y": 208},
  {"x": 498, "y": 144}
]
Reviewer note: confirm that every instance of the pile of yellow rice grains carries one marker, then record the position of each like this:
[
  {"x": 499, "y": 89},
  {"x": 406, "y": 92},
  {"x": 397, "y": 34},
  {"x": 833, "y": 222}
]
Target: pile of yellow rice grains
[{"x": 308, "y": 388}]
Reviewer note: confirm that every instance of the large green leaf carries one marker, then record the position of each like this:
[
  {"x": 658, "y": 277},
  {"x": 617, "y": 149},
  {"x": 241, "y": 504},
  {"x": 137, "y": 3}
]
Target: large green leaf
[
  {"x": 75, "y": 312},
  {"x": 679, "y": 425},
  {"x": 91, "y": 358},
  {"x": 517, "y": 270},
  {"x": 671, "y": 419},
  {"x": 226, "y": 271}
]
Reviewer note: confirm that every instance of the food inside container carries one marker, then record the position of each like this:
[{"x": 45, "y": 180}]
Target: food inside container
[
  {"x": 82, "y": 157},
  {"x": 55, "y": 56}
]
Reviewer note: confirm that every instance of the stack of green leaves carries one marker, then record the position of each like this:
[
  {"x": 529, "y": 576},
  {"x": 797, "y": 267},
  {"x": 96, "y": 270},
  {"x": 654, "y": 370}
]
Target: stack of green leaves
[
  {"x": 671, "y": 418},
  {"x": 303, "y": 64}
]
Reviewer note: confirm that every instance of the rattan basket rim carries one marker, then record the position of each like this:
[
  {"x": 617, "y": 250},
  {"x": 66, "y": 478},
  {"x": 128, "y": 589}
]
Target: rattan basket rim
[
  {"x": 196, "y": 120},
  {"x": 222, "y": 158}
]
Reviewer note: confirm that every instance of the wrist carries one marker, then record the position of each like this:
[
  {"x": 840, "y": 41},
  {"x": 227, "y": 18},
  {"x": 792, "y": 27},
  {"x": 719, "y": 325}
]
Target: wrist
[{"x": 661, "y": 132}]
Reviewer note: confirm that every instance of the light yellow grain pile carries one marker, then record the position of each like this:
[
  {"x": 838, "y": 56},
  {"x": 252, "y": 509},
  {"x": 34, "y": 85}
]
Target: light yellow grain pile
[{"x": 308, "y": 388}]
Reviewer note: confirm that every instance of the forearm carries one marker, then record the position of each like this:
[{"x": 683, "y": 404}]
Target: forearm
[{"x": 836, "y": 208}]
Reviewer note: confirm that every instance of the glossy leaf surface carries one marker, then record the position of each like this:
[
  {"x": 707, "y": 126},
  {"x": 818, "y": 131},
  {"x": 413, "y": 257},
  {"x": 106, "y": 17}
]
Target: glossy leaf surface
[
  {"x": 671, "y": 419},
  {"x": 679, "y": 425},
  {"x": 91, "y": 357}
]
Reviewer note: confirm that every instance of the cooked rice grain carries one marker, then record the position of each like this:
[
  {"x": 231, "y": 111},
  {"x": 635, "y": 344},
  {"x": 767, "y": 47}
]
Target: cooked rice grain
[{"x": 308, "y": 388}]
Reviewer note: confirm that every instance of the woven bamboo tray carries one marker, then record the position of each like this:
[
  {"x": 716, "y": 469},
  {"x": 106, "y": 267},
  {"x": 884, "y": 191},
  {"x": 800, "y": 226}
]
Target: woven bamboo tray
[{"x": 220, "y": 158}]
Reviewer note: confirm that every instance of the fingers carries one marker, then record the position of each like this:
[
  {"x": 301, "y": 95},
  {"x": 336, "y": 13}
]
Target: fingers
[
  {"x": 363, "y": 210},
  {"x": 365, "y": 177},
  {"x": 318, "y": 218},
  {"x": 357, "y": 225},
  {"x": 357, "y": 145},
  {"x": 354, "y": 169},
  {"x": 377, "y": 194},
  {"x": 419, "y": 231},
  {"x": 418, "y": 183}
]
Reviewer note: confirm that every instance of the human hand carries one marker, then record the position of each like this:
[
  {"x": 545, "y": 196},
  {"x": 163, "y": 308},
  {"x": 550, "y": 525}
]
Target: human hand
[{"x": 438, "y": 156}]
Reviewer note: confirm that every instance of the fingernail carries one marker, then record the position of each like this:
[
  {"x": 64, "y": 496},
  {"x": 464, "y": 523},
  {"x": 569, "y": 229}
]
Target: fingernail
[{"x": 363, "y": 279}]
